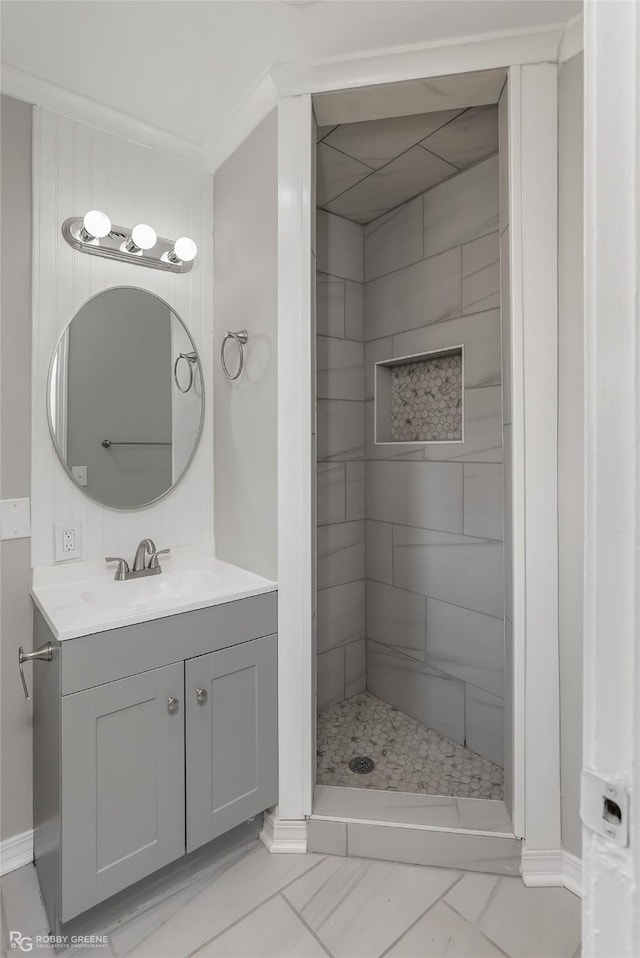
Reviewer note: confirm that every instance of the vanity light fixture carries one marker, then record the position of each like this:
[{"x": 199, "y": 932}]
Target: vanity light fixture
[
  {"x": 95, "y": 226},
  {"x": 95, "y": 234},
  {"x": 184, "y": 251},
  {"x": 142, "y": 237}
]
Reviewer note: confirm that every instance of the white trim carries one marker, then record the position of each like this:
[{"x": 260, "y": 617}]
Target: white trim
[
  {"x": 611, "y": 712},
  {"x": 296, "y": 415},
  {"x": 572, "y": 872},
  {"x": 252, "y": 109},
  {"x": 572, "y": 41},
  {"x": 48, "y": 96},
  {"x": 533, "y": 240},
  {"x": 283, "y": 837},
  {"x": 463, "y": 55},
  {"x": 16, "y": 852},
  {"x": 552, "y": 868},
  {"x": 533, "y": 257}
]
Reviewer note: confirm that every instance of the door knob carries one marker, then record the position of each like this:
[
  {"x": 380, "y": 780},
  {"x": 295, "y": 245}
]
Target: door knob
[
  {"x": 173, "y": 703},
  {"x": 201, "y": 695}
]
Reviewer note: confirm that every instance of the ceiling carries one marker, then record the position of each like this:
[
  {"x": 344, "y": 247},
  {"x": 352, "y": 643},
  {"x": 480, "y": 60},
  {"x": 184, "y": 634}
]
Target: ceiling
[
  {"x": 366, "y": 169},
  {"x": 185, "y": 66}
]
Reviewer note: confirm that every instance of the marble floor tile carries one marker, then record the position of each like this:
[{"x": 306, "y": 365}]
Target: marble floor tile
[
  {"x": 442, "y": 932},
  {"x": 245, "y": 885},
  {"x": 359, "y": 908},
  {"x": 271, "y": 931},
  {"x": 524, "y": 922},
  {"x": 286, "y": 906},
  {"x": 376, "y": 807},
  {"x": 408, "y": 756}
]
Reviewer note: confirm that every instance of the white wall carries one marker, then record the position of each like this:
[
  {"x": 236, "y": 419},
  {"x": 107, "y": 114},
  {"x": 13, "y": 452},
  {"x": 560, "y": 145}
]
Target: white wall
[
  {"x": 570, "y": 441},
  {"x": 15, "y": 400},
  {"x": 78, "y": 168},
  {"x": 245, "y": 284}
]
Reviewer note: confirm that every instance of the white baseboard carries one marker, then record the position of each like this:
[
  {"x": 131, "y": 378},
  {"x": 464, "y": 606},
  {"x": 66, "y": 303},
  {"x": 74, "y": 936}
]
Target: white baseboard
[
  {"x": 284, "y": 837},
  {"x": 16, "y": 852},
  {"x": 550, "y": 868}
]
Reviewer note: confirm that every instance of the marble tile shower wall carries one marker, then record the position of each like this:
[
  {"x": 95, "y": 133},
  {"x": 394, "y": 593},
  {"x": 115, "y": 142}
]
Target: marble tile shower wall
[
  {"x": 434, "y": 513},
  {"x": 341, "y": 664}
]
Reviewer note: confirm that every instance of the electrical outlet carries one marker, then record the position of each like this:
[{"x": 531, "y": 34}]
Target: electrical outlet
[{"x": 68, "y": 540}]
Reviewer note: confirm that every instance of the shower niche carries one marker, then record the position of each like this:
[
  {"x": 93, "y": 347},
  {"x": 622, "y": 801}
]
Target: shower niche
[{"x": 419, "y": 398}]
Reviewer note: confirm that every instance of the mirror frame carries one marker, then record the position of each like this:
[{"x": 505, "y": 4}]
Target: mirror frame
[{"x": 62, "y": 460}]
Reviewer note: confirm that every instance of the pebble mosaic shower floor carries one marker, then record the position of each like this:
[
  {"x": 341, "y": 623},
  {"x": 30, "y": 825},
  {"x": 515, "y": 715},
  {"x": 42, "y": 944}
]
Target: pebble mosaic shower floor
[{"x": 408, "y": 756}]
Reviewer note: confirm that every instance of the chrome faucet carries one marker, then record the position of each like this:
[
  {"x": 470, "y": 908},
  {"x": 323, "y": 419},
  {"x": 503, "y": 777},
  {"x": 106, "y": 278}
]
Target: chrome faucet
[{"x": 145, "y": 562}]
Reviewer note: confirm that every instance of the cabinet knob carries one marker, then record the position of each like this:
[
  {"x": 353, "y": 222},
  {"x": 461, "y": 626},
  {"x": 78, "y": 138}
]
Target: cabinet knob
[
  {"x": 173, "y": 703},
  {"x": 201, "y": 695}
]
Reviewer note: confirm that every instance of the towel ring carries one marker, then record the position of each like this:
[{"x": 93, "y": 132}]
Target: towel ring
[
  {"x": 191, "y": 359},
  {"x": 241, "y": 338}
]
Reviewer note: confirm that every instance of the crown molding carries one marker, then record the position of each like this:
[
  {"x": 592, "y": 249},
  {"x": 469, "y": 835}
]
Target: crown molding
[
  {"x": 572, "y": 41},
  {"x": 25, "y": 86},
  {"x": 465, "y": 55},
  {"x": 244, "y": 118},
  {"x": 558, "y": 42}
]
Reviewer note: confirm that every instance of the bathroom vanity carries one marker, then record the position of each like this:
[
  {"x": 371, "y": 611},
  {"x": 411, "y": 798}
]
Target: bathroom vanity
[{"x": 155, "y": 722}]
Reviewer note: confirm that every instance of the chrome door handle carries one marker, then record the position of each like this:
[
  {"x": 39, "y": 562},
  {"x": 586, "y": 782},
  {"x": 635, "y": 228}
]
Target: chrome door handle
[
  {"x": 44, "y": 654},
  {"x": 201, "y": 695},
  {"x": 173, "y": 703}
]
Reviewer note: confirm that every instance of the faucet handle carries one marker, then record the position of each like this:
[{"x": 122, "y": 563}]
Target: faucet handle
[
  {"x": 153, "y": 558},
  {"x": 123, "y": 567}
]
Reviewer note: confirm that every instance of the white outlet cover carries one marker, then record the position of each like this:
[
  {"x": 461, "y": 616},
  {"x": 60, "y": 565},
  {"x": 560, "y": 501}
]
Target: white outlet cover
[
  {"x": 79, "y": 473},
  {"x": 59, "y": 529},
  {"x": 15, "y": 519}
]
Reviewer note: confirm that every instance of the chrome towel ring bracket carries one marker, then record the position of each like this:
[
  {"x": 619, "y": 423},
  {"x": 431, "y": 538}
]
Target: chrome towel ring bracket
[
  {"x": 241, "y": 338},
  {"x": 191, "y": 360}
]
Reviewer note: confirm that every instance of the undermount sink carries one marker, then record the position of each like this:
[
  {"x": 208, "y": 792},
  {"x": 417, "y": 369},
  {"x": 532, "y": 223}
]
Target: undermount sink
[{"x": 144, "y": 593}]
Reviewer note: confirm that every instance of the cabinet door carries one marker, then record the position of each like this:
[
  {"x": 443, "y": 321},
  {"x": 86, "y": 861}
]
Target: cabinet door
[
  {"x": 122, "y": 784},
  {"x": 232, "y": 737}
]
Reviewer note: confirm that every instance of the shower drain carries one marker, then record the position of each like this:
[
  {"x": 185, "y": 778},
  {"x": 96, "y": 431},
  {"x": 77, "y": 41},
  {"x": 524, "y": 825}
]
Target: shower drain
[{"x": 362, "y": 764}]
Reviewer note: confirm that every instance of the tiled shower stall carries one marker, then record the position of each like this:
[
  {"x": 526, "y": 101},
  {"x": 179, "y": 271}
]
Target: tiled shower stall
[{"x": 410, "y": 533}]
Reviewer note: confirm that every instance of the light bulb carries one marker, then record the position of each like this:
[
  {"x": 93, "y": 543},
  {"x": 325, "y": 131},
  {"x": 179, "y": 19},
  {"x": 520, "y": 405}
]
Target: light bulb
[
  {"x": 95, "y": 224},
  {"x": 143, "y": 236},
  {"x": 185, "y": 249}
]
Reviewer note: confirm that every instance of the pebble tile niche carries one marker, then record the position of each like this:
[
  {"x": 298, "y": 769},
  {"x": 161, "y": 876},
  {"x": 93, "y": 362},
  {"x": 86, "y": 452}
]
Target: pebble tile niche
[{"x": 421, "y": 399}]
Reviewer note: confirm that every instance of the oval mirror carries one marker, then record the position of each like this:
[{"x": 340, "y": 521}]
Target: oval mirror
[{"x": 125, "y": 398}]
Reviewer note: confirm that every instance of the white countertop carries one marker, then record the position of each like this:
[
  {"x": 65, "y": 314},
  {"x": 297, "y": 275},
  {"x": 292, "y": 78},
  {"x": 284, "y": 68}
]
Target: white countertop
[{"x": 81, "y": 598}]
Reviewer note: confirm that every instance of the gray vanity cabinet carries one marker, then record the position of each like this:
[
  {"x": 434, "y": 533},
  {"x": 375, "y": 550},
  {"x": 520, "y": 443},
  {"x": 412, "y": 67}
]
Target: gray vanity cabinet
[
  {"x": 122, "y": 783},
  {"x": 231, "y": 737},
  {"x": 149, "y": 741}
]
